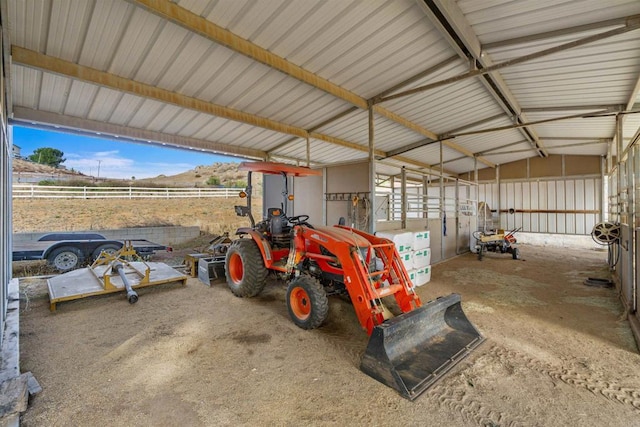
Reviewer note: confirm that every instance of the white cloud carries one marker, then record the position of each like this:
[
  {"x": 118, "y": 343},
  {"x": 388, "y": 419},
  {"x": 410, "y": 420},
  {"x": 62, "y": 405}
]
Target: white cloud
[{"x": 111, "y": 165}]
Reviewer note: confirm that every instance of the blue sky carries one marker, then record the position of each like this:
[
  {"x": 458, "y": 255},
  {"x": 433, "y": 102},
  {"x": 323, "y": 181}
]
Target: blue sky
[{"x": 117, "y": 159}]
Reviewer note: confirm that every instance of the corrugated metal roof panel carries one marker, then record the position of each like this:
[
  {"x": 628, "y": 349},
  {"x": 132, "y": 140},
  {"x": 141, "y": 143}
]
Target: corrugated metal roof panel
[
  {"x": 588, "y": 127},
  {"x": 321, "y": 152},
  {"x": 68, "y": 25},
  {"x": 81, "y": 96},
  {"x": 447, "y": 107},
  {"x": 576, "y": 147},
  {"x": 600, "y": 73},
  {"x": 26, "y": 86},
  {"x": 103, "y": 34},
  {"x": 136, "y": 41},
  {"x": 31, "y": 23},
  {"x": 52, "y": 94},
  {"x": 496, "y": 20}
]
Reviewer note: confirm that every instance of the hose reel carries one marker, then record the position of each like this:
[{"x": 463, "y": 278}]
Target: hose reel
[{"x": 606, "y": 233}]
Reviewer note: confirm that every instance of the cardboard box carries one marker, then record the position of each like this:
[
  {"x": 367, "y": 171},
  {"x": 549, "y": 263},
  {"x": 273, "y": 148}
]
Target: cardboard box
[
  {"x": 422, "y": 258},
  {"x": 421, "y": 240},
  {"x": 407, "y": 260},
  {"x": 401, "y": 238},
  {"x": 413, "y": 275},
  {"x": 423, "y": 275}
]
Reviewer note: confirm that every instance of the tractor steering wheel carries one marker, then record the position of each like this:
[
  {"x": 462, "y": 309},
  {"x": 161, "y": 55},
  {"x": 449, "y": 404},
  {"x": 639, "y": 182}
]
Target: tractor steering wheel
[{"x": 299, "y": 219}]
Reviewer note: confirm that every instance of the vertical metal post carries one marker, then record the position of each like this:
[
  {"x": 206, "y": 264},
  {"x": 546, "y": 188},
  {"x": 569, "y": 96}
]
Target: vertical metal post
[
  {"x": 443, "y": 214},
  {"x": 324, "y": 196},
  {"x": 308, "y": 152},
  {"x": 603, "y": 194},
  {"x": 403, "y": 198},
  {"x": 372, "y": 171},
  {"x": 475, "y": 169},
  {"x": 425, "y": 199},
  {"x": 618, "y": 162},
  {"x": 457, "y": 214},
  {"x": 499, "y": 192},
  {"x": 391, "y": 214}
]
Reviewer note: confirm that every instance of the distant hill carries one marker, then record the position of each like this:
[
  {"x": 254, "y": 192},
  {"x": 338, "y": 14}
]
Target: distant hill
[
  {"x": 224, "y": 174},
  {"x": 214, "y": 175},
  {"x": 21, "y": 165},
  {"x": 25, "y": 171}
]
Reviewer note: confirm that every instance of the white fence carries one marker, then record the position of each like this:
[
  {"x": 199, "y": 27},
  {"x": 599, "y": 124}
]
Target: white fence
[{"x": 29, "y": 191}]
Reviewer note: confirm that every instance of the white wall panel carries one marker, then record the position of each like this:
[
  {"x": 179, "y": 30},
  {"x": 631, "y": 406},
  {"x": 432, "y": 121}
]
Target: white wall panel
[{"x": 539, "y": 205}]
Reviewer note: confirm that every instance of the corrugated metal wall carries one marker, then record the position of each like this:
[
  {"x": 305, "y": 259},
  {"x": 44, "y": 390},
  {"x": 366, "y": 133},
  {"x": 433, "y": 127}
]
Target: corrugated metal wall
[
  {"x": 557, "y": 206},
  {"x": 5, "y": 199}
]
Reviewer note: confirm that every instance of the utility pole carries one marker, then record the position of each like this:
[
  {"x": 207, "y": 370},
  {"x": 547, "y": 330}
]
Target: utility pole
[{"x": 99, "y": 161}]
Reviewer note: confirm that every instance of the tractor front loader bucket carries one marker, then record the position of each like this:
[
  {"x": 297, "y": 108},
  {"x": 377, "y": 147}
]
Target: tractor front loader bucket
[{"x": 409, "y": 353}]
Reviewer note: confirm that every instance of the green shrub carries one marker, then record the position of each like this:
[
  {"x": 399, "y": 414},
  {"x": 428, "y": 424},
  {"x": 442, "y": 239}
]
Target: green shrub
[{"x": 213, "y": 180}]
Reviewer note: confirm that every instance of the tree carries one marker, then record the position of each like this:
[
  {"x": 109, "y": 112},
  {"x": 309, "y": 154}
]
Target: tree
[{"x": 47, "y": 156}]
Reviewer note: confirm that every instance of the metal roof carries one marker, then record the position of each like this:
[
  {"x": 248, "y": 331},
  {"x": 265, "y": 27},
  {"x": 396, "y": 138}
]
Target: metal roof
[{"x": 475, "y": 83}]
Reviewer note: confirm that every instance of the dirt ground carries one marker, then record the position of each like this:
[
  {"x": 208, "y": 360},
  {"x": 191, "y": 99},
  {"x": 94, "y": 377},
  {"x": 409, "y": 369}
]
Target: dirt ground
[{"x": 557, "y": 353}]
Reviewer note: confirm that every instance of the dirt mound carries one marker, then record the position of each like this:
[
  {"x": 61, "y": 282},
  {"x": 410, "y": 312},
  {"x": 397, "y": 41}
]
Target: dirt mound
[{"x": 25, "y": 166}]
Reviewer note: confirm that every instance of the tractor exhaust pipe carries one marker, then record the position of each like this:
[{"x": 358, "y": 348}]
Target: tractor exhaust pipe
[{"x": 132, "y": 296}]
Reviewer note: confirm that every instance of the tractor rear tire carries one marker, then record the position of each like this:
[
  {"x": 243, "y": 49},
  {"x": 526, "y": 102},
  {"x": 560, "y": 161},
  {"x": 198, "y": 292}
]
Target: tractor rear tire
[
  {"x": 307, "y": 302},
  {"x": 244, "y": 268}
]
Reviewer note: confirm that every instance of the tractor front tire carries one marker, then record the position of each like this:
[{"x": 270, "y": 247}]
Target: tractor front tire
[
  {"x": 244, "y": 268},
  {"x": 307, "y": 302}
]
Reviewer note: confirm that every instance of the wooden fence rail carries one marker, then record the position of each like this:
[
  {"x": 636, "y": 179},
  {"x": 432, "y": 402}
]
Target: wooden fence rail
[{"x": 29, "y": 191}]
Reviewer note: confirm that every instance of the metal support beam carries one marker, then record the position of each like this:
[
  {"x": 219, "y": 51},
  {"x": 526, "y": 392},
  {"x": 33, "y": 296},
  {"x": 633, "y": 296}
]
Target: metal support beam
[
  {"x": 561, "y": 32},
  {"x": 613, "y": 108}
]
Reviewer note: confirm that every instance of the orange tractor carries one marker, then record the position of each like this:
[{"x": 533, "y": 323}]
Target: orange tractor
[{"x": 407, "y": 352}]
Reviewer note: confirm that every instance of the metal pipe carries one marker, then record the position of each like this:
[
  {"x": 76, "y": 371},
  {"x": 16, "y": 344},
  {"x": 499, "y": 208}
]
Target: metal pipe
[{"x": 132, "y": 296}]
